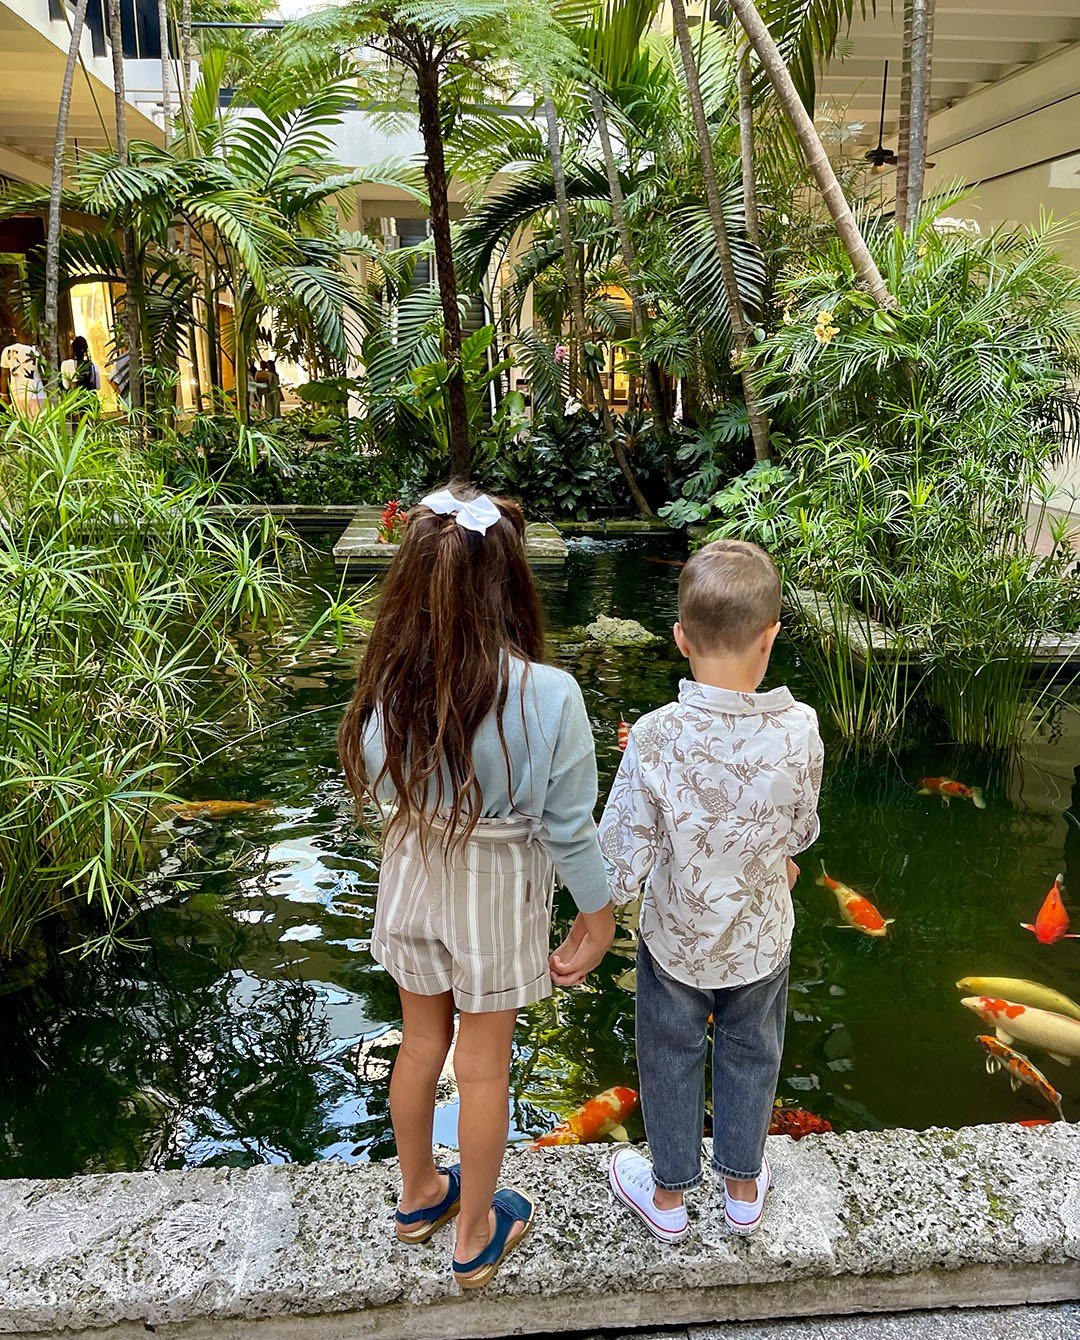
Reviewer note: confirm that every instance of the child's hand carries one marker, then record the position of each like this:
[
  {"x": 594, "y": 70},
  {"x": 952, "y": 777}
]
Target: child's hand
[
  {"x": 792, "y": 873},
  {"x": 589, "y": 940}
]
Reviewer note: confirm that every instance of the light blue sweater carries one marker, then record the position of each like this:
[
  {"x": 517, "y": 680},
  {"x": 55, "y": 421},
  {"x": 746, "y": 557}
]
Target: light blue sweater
[{"x": 552, "y": 773}]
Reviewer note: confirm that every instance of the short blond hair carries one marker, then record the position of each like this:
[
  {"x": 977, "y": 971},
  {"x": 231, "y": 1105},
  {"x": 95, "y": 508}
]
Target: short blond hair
[{"x": 729, "y": 594}]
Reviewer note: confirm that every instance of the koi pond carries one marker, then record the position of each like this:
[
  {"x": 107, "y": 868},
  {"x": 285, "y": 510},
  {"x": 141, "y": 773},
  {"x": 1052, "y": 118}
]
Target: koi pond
[{"x": 244, "y": 1022}]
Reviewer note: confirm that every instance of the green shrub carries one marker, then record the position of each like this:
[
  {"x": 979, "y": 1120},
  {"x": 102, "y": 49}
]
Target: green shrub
[
  {"x": 125, "y": 613},
  {"x": 921, "y": 439}
]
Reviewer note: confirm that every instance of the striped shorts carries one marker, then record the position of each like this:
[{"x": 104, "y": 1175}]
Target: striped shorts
[{"x": 476, "y": 921}]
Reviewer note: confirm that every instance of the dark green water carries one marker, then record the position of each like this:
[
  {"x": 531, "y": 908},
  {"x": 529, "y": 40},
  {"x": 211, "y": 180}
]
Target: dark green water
[{"x": 246, "y": 1026}]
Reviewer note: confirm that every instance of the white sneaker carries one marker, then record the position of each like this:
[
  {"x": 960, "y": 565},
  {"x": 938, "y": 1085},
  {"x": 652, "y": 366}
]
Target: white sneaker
[
  {"x": 744, "y": 1216},
  {"x": 631, "y": 1179}
]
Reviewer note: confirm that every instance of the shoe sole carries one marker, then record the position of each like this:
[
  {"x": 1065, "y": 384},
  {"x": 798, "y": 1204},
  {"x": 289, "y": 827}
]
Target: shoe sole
[
  {"x": 487, "y": 1273},
  {"x": 428, "y": 1231},
  {"x": 661, "y": 1234}
]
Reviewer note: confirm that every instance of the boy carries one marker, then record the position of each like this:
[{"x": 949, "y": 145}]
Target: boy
[{"x": 715, "y": 794}]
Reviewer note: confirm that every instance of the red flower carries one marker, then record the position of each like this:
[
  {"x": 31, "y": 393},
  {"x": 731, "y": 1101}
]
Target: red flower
[{"x": 391, "y": 522}]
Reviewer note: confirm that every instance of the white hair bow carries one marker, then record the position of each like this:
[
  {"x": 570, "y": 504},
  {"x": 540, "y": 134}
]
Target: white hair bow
[{"x": 476, "y": 515}]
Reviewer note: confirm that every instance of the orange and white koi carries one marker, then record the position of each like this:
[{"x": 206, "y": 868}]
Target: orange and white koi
[
  {"x": 624, "y": 735},
  {"x": 214, "y": 809},
  {"x": 601, "y": 1117},
  {"x": 858, "y": 911},
  {"x": 1022, "y": 991},
  {"x": 948, "y": 790},
  {"x": 1019, "y": 1069},
  {"x": 1054, "y": 1034},
  {"x": 1052, "y": 923}
]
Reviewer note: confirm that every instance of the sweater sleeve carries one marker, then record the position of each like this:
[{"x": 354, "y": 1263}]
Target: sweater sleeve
[{"x": 569, "y": 830}]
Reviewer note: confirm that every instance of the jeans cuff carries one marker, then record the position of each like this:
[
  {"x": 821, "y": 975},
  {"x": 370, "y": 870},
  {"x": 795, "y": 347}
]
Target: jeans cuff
[
  {"x": 721, "y": 1171},
  {"x": 677, "y": 1186}
]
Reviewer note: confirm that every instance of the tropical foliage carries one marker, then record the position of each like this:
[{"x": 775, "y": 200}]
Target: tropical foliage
[
  {"x": 919, "y": 439},
  {"x": 125, "y": 617}
]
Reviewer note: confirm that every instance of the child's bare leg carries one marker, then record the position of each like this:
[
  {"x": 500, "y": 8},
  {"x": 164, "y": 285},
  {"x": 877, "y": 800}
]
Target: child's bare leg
[
  {"x": 427, "y": 1029},
  {"x": 482, "y": 1067}
]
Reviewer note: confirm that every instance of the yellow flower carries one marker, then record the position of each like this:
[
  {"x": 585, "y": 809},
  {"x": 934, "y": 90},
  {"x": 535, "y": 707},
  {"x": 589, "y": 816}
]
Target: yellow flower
[
  {"x": 824, "y": 317},
  {"x": 787, "y": 318},
  {"x": 824, "y": 332}
]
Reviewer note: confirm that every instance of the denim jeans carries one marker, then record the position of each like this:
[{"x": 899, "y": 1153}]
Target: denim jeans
[{"x": 672, "y": 1040}]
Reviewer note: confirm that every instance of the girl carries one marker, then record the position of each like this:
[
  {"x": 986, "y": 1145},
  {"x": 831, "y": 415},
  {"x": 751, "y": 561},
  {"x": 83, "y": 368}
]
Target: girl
[{"x": 487, "y": 757}]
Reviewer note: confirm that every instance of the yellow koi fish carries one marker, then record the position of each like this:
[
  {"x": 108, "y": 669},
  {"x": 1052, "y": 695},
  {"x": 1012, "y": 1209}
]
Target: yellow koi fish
[{"x": 1022, "y": 991}]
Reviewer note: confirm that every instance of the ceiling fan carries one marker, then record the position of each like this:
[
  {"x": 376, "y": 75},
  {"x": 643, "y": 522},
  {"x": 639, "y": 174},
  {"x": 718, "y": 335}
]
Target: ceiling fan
[{"x": 879, "y": 157}]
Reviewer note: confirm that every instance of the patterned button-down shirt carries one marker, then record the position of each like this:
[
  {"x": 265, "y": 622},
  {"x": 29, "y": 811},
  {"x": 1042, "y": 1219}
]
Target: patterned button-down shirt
[{"x": 715, "y": 792}]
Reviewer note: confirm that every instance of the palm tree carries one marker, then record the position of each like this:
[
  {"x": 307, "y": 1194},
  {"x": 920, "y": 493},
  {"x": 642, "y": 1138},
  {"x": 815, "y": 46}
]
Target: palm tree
[
  {"x": 454, "y": 51},
  {"x": 609, "y": 33},
  {"x": 914, "y": 108},
  {"x": 132, "y": 271},
  {"x": 577, "y": 303},
  {"x": 255, "y": 187},
  {"x": 746, "y": 148},
  {"x": 52, "y": 239},
  {"x": 740, "y": 331},
  {"x": 166, "y": 64},
  {"x": 817, "y": 160},
  {"x": 673, "y": 249}
]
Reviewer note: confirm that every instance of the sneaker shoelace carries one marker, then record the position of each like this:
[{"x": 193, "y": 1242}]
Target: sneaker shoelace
[{"x": 640, "y": 1178}]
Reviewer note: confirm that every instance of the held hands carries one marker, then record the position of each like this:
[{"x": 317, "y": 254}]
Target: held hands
[{"x": 589, "y": 940}]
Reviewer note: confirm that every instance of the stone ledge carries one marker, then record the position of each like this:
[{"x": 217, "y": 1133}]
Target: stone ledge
[{"x": 856, "y": 1223}]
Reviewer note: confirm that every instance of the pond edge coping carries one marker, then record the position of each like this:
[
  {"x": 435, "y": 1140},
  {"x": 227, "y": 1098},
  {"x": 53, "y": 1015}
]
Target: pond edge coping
[{"x": 861, "y": 1222}]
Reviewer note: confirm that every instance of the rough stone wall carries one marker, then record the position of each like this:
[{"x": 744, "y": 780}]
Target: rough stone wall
[{"x": 856, "y": 1222}]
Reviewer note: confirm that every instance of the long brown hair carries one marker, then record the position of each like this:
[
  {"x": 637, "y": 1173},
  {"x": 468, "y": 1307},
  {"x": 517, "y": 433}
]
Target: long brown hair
[{"x": 455, "y": 606}]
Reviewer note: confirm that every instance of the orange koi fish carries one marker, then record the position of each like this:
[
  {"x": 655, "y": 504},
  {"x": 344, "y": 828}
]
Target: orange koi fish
[
  {"x": 796, "y": 1122},
  {"x": 1020, "y": 1071},
  {"x": 624, "y": 735},
  {"x": 948, "y": 790},
  {"x": 1031, "y": 1122},
  {"x": 1052, "y": 923},
  {"x": 859, "y": 912},
  {"x": 214, "y": 809},
  {"x": 595, "y": 1120},
  {"x": 667, "y": 562}
]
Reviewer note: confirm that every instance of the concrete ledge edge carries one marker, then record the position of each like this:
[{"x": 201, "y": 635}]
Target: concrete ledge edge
[{"x": 861, "y": 1222}]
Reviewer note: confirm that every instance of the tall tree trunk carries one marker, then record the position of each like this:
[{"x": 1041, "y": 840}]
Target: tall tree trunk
[
  {"x": 132, "y": 285},
  {"x": 903, "y": 123},
  {"x": 746, "y": 149},
  {"x": 427, "y": 87},
  {"x": 914, "y": 108},
  {"x": 56, "y": 187},
  {"x": 185, "y": 44},
  {"x": 166, "y": 65},
  {"x": 817, "y": 160},
  {"x": 577, "y": 300},
  {"x": 740, "y": 332},
  {"x": 629, "y": 250}
]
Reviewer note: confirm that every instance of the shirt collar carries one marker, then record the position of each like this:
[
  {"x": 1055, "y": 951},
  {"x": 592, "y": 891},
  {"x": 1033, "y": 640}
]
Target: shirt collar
[{"x": 693, "y": 694}]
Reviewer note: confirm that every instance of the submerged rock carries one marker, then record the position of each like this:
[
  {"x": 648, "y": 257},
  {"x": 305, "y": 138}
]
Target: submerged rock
[{"x": 619, "y": 632}]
